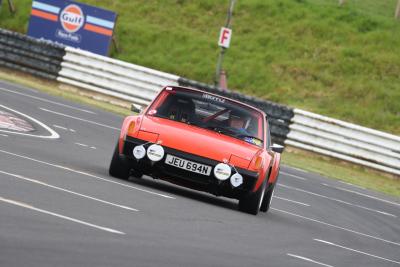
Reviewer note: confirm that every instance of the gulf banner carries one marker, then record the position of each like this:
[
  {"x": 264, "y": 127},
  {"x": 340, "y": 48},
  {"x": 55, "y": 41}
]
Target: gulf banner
[{"x": 73, "y": 24}]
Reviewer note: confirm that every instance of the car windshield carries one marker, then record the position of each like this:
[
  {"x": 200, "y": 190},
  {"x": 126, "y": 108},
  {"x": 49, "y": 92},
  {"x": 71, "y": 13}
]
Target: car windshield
[{"x": 210, "y": 112}]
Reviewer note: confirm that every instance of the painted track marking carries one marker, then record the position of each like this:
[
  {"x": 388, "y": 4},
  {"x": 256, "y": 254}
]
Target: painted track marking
[
  {"x": 79, "y": 144},
  {"x": 364, "y": 195},
  {"x": 357, "y": 186},
  {"x": 27, "y": 206},
  {"x": 337, "y": 227},
  {"x": 294, "y": 176},
  {"x": 292, "y": 201},
  {"x": 86, "y": 174},
  {"x": 48, "y": 101},
  {"x": 79, "y": 119},
  {"x": 309, "y": 260},
  {"x": 354, "y": 250},
  {"x": 53, "y": 134},
  {"x": 63, "y": 128},
  {"x": 337, "y": 200},
  {"x": 66, "y": 190}
]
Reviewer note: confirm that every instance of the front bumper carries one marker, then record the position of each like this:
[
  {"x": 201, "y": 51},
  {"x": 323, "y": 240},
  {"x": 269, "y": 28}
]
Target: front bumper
[{"x": 186, "y": 178}]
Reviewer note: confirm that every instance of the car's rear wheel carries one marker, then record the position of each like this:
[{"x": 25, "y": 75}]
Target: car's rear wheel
[
  {"x": 251, "y": 203},
  {"x": 266, "y": 202},
  {"x": 119, "y": 168}
]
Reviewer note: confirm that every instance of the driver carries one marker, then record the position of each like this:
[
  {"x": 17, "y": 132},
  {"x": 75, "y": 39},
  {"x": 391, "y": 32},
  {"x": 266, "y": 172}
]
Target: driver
[{"x": 239, "y": 123}]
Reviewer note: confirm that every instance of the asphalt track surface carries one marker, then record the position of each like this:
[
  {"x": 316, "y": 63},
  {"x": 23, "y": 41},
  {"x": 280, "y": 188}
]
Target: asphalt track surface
[{"x": 59, "y": 206}]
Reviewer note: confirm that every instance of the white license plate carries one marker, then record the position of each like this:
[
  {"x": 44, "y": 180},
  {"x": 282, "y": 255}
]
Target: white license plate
[{"x": 188, "y": 165}]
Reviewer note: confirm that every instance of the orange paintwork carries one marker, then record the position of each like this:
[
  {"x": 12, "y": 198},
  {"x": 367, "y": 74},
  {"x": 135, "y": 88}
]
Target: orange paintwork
[
  {"x": 275, "y": 169},
  {"x": 203, "y": 142},
  {"x": 198, "y": 141},
  {"x": 148, "y": 136}
]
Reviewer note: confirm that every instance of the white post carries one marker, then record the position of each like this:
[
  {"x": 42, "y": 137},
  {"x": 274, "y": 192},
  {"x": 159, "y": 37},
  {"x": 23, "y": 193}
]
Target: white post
[
  {"x": 397, "y": 12},
  {"x": 342, "y": 2}
]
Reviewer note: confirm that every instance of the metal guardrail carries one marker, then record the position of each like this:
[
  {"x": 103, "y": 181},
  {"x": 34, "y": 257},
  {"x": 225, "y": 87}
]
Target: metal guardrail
[
  {"x": 112, "y": 77},
  {"x": 346, "y": 141}
]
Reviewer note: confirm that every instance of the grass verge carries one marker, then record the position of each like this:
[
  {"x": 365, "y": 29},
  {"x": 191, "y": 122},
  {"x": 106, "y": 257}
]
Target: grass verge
[{"x": 325, "y": 166}]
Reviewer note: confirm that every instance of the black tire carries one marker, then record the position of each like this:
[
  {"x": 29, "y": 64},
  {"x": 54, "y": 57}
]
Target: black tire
[
  {"x": 251, "y": 203},
  {"x": 266, "y": 203},
  {"x": 119, "y": 168}
]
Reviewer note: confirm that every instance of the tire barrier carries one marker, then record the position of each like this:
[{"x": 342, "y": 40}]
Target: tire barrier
[{"x": 23, "y": 53}]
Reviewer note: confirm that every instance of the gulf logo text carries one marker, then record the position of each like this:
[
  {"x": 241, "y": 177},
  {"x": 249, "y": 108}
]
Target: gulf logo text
[{"x": 72, "y": 18}]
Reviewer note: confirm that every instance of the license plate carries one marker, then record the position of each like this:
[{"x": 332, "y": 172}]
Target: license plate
[{"x": 188, "y": 165}]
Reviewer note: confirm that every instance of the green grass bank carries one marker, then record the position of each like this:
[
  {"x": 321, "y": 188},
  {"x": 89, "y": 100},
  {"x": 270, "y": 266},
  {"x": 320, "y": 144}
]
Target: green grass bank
[{"x": 342, "y": 62}]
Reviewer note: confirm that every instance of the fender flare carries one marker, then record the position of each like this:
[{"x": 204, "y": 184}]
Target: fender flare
[{"x": 273, "y": 176}]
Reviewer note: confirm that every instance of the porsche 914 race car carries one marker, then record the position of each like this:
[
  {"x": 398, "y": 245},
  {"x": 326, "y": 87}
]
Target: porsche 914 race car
[{"x": 202, "y": 141}]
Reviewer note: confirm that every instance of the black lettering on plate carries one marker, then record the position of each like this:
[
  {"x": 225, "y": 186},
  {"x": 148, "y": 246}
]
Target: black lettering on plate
[{"x": 171, "y": 160}]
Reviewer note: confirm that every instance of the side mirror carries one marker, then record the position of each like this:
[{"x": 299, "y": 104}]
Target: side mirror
[
  {"x": 136, "y": 108},
  {"x": 277, "y": 148}
]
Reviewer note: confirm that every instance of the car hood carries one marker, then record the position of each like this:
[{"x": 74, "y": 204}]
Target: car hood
[{"x": 198, "y": 141}]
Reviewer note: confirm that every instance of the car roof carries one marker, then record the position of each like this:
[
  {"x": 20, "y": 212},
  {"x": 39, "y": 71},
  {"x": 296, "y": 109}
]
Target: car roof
[{"x": 230, "y": 99}]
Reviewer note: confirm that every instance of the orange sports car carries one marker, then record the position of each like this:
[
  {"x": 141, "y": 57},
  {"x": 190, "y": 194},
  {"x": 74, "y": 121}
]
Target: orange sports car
[{"x": 202, "y": 141}]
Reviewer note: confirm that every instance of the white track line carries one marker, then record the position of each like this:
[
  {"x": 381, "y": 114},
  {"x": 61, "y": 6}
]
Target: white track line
[
  {"x": 357, "y": 186},
  {"x": 63, "y": 128},
  {"x": 53, "y": 134},
  {"x": 294, "y": 176},
  {"x": 79, "y": 119},
  {"x": 300, "y": 170},
  {"x": 66, "y": 190},
  {"x": 60, "y": 127},
  {"x": 4, "y": 135},
  {"x": 23, "y": 205},
  {"x": 289, "y": 200},
  {"x": 338, "y": 200},
  {"x": 338, "y": 227},
  {"x": 79, "y": 144},
  {"x": 48, "y": 101},
  {"x": 86, "y": 174},
  {"x": 309, "y": 260},
  {"x": 357, "y": 251},
  {"x": 364, "y": 195}
]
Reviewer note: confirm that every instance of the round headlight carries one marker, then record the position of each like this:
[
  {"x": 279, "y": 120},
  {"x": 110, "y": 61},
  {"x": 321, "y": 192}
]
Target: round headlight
[
  {"x": 222, "y": 171},
  {"x": 155, "y": 152},
  {"x": 139, "y": 152},
  {"x": 236, "y": 180}
]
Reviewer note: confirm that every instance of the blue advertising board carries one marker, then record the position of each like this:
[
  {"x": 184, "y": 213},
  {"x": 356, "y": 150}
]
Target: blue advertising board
[{"x": 73, "y": 24}]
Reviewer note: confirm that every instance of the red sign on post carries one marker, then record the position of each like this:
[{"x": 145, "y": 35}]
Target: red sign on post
[{"x": 225, "y": 37}]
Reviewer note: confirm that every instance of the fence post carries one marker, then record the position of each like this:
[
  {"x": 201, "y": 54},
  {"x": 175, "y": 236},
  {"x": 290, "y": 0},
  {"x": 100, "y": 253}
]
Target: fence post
[
  {"x": 11, "y": 6},
  {"x": 342, "y": 2},
  {"x": 397, "y": 12}
]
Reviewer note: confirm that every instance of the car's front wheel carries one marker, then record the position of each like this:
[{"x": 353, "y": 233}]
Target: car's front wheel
[
  {"x": 251, "y": 203},
  {"x": 119, "y": 168},
  {"x": 266, "y": 202}
]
